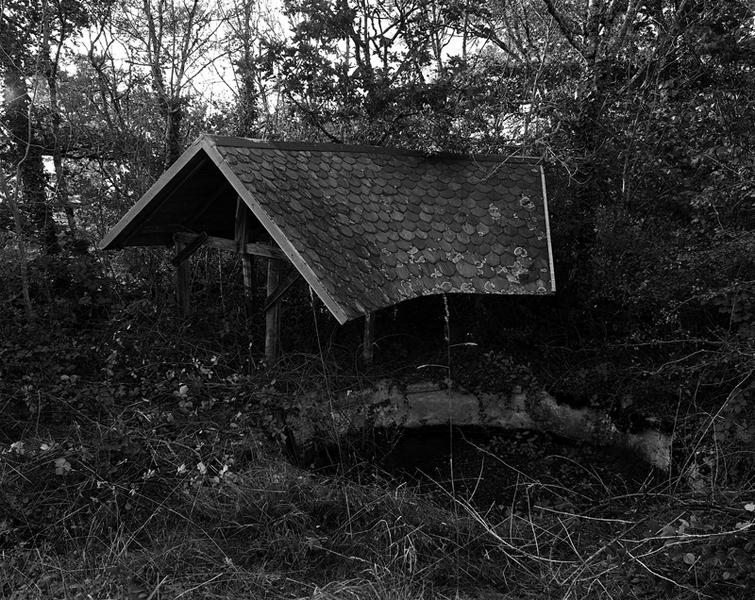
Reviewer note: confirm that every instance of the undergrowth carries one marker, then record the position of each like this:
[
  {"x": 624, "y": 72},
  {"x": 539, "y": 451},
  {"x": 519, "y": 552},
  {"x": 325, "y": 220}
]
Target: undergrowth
[
  {"x": 139, "y": 459},
  {"x": 170, "y": 501}
]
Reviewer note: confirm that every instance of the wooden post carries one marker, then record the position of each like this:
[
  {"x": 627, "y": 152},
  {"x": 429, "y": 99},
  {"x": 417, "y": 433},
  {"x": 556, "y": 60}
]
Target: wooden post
[
  {"x": 247, "y": 261},
  {"x": 247, "y": 266},
  {"x": 272, "y": 314},
  {"x": 183, "y": 282},
  {"x": 369, "y": 335}
]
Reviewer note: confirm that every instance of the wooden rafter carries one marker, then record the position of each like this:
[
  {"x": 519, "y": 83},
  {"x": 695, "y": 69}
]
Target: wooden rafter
[
  {"x": 188, "y": 249},
  {"x": 253, "y": 248},
  {"x": 288, "y": 280}
]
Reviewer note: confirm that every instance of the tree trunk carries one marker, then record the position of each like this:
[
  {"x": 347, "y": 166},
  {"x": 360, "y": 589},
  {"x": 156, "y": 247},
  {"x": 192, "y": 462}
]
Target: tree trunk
[
  {"x": 246, "y": 123},
  {"x": 11, "y": 198},
  {"x": 61, "y": 181},
  {"x": 174, "y": 115},
  {"x": 26, "y": 152}
]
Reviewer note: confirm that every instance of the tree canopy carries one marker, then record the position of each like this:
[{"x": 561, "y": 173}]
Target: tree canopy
[{"x": 642, "y": 111}]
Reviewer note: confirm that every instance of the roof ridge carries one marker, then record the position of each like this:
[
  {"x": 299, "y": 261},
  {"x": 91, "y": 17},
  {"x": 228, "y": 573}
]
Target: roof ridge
[{"x": 244, "y": 142}]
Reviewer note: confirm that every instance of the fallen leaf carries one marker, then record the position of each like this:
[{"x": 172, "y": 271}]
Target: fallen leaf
[{"x": 62, "y": 466}]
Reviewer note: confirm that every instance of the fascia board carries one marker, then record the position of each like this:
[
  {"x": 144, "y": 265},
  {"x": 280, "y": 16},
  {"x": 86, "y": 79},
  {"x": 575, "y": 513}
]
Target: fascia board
[
  {"x": 275, "y": 231},
  {"x": 548, "y": 229}
]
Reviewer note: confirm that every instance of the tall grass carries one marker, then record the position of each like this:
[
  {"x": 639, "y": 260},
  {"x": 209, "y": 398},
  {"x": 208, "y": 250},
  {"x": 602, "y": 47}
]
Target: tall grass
[{"x": 203, "y": 511}]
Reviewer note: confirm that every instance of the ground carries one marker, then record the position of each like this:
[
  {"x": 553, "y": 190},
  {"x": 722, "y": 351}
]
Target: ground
[{"x": 175, "y": 481}]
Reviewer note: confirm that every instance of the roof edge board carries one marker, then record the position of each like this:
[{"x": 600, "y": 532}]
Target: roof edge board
[
  {"x": 548, "y": 229},
  {"x": 278, "y": 236},
  {"x": 242, "y": 142},
  {"x": 134, "y": 215}
]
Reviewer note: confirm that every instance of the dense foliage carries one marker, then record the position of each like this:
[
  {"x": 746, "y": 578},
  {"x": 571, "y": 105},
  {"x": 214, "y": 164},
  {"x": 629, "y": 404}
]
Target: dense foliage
[{"x": 642, "y": 111}]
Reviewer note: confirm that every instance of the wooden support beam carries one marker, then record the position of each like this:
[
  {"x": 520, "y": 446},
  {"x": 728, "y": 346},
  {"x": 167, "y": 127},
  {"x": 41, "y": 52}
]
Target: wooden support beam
[
  {"x": 243, "y": 222},
  {"x": 264, "y": 251},
  {"x": 272, "y": 314},
  {"x": 369, "y": 339},
  {"x": 183, "y": 282},
  {"x": 252, "y": 248},
  {"x": 188, "y": 249},
  {"x": 240, "y": 223},
  {"x": 247, "y": 269},
  {"x": 290, "y": 278}
]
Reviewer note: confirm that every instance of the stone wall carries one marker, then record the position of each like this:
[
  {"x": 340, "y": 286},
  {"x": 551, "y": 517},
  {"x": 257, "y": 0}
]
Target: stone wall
[{"x": 388, "y": 404}]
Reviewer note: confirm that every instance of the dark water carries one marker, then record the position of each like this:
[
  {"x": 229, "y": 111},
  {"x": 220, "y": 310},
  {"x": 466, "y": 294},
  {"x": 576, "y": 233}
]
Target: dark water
[{"x": 501, "y": 468}]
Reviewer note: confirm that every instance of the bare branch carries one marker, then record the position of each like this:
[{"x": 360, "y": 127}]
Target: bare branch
[{"x": 567, "y": 29}]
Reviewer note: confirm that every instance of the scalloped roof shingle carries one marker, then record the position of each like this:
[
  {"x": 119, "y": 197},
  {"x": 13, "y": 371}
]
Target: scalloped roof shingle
[{"x": 367, "y": 227}]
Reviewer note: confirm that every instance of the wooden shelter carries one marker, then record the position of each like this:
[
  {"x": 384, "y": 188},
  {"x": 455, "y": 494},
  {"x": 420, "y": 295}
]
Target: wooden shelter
[{"x": 365, "y": 227}]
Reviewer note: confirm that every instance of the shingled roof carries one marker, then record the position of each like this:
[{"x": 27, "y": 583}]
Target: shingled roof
[{"x": 366, "y": 227}]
